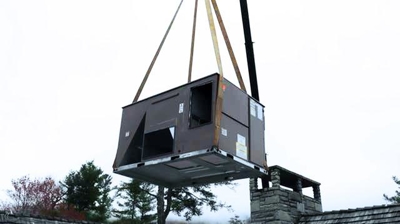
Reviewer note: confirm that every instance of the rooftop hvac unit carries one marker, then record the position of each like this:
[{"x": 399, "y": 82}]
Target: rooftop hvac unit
[{"x": 167, "y": 139}]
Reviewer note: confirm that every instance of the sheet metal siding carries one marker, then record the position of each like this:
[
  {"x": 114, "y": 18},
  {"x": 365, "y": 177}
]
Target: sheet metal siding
[
  {"x": 228, "y": 142},
  {"x": 257, "y": 139},
  {"x": 178, "y": 87},
  {"x": 235, "y": 103},
  {"x": 163, "y": 113},
  {"x": 192, "y": 139},
  {"x": 130, "y": 121}
]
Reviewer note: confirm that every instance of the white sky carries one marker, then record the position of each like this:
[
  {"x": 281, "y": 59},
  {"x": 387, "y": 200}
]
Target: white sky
[{"x": 328, "y": 74}]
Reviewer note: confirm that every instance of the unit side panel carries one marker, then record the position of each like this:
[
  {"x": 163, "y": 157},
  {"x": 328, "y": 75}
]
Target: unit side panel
[
  {"x": 166, "y": 119},
  {"x": 235, "y": 103},
  {"x": 200, "y": 136},
  {"x": 257, "y": 126},
  {"x": 130, "y": 121},
  {"x": 163, "y": 111},
  {"x": 234, "y": 137}
]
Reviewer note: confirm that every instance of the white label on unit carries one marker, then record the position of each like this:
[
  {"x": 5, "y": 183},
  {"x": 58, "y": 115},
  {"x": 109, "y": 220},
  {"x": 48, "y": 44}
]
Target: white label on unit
[
  {"x": 126, "y": 134},
  {"x": 241, "y": 150},
  {"x": 224, "y": 132},
  {"x": 181, "y": 108},
  {"x": 241, "y": 139},
  {"x": 252, "y": 107},
  {"x": 259, "y": 112},
  {"x": 172, "y": 131}
]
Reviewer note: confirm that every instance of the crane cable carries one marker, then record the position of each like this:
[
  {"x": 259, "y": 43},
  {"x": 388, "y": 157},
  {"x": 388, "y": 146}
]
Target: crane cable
[{"x": 156, "y": 55}]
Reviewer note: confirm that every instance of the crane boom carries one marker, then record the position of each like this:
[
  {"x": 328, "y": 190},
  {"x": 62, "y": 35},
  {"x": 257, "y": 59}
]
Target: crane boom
[{"x": 249, "y": 50}]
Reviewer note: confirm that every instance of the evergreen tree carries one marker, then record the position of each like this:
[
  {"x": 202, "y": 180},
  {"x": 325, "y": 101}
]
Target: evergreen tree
[
  {"x": 136, "y": 202},
  {"x": 139, "y": 199},
  {"x": 87, "y": 190},
  {"x": 187, "y": 201},
  {"x": 394, "y": 199}
]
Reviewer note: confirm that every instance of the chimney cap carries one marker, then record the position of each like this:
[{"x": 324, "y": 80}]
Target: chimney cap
[{"x": 289, "y": 178}]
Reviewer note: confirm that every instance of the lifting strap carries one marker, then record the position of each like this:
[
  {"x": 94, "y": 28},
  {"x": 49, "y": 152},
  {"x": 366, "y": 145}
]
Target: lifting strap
[
  {"x": 214, "y": 36},
  {"x": 216, "y": 51},
  {"x": 193, "y": 38},
  {"x": 220, "y": 92},
  {"x": 156, "y": 55},
  {"x": 228, "y": 45}
]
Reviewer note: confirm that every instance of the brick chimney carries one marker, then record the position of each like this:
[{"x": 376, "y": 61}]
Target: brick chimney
[{"x": 278, "y": 205}]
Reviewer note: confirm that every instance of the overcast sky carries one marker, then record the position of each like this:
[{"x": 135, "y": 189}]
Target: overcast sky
[{"x": 328, "y": 72}]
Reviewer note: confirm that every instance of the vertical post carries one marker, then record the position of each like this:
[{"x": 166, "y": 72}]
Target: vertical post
[
  {"x": 253, "y": 184},
  {"x": 317, "y": 193},
  {"x": 276, "y": 178},
  {"x": 249, "y": 50},
  {"x": 299, "y": 186}
]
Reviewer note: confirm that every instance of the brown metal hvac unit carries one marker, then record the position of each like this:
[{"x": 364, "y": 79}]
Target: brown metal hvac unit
[{"x": 167, "y": 139}]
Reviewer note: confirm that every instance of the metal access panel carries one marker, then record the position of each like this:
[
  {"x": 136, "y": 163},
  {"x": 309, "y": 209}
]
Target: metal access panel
[{"x": 167, "y": 139}]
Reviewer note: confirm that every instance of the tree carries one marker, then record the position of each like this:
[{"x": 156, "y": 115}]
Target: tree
[
  {"x": 236, "y": 220},
  {"x": 136, "y": 202},
  {"x": 396, "y": 198},
  {"x": 189, "y": 201},
  {"x": 186, "y": 201},
  {"x": 68, "y": 212},
  {"x": 87, "y": 190},
  {"x": 37, "y": 196}
]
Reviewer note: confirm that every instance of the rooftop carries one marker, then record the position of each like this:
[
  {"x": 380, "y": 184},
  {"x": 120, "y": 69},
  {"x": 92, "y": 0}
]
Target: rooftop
[{"x": 375, "y": 214}]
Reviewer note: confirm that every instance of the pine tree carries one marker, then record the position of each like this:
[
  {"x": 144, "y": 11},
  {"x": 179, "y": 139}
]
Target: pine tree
[
  {"x": 136, "y": 203},
  {"x": 187, "y": 201},
  {"x": 87, "y": 190},
  {"x": 394, "y": 199}
]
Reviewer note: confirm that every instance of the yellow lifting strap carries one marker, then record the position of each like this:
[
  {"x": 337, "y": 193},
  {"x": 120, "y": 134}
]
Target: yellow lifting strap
[
  {"x": 228, "y": 45},
  {"x": 214, "y": 36},
  {"x": 216, "y": 50},
  {"x": 220, "y": 92}
]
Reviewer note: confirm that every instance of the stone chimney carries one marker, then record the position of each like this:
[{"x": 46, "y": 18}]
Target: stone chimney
[{"x": 278, "y": 205}]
